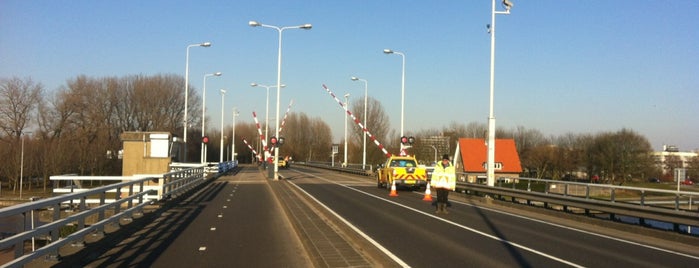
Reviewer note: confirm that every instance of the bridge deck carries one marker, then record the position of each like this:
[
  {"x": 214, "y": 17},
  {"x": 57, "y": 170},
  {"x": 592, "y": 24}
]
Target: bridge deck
[{"x": 240, "y": 219}]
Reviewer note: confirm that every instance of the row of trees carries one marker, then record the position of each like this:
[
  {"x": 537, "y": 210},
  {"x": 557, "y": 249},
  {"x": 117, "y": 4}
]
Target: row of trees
[{"x": 76, "y": 130}]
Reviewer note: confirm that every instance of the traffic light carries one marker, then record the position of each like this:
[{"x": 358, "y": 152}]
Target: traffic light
[
  {"x": 276, "y": 142},
  {"x": 407, "y": 140},
  {"x": 205, "y": 139}
]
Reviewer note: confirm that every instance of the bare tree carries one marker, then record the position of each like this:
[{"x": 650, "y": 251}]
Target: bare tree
[
  {"x": 18, "y": 103},
  {"x": 378, "y": 126}
]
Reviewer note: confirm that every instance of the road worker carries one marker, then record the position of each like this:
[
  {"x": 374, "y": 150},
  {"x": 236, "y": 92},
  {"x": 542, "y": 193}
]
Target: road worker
[{"x": 443, "y": 180}]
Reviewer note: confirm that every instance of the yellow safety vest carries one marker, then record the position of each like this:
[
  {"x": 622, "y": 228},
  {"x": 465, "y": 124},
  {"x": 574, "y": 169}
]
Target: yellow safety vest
[{"x": 444, "y": 177}]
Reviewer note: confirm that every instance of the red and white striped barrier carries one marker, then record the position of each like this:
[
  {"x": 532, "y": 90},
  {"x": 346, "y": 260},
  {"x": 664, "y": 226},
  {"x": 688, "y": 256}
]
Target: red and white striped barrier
[
  {"x": 285, "y": 115},
  {"x": 251, "y": 149},
  {"x": 262, "y": 137},
  {"x": 373, "y": 139}
]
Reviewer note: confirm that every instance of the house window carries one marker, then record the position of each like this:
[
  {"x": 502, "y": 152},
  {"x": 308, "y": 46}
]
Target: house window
[{"x": 498, "y": 165}]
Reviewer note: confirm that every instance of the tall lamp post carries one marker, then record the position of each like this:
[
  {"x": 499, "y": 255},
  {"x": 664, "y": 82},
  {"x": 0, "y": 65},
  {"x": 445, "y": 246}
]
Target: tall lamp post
[
  {"x": 354, "y": 78},
  {"x": 186, "y": 93},
  {"x": 307, "y": 26},
  {"x": 266, "y": 106},
  {"x": 21, "y": 164},
  {"x": 402, "y": 94},
  {"x": 235, "y": 114},
  {"x": 491, "y": 117},
  {"x": 203, "y": 116},
  {"x": 347, "y": 108},
  {"x": 223, "y": 94}
]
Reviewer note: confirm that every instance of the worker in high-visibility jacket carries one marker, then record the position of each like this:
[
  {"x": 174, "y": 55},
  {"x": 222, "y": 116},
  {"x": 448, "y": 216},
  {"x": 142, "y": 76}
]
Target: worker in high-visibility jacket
[{"x": 443, "y": 180}]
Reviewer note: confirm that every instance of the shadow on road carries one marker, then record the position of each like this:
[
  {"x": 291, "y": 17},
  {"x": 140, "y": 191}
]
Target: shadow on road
[{"x": 140, "y": 242}]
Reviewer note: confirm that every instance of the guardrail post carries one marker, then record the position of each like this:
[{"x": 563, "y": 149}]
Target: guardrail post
[
  {"x": 101, "y": 215},
  {"x": 117, "y": 208},
  {"x": 81, "y": 223},
  {"x": 55, "y": 233},
  {"x": 587, "y": 191}
]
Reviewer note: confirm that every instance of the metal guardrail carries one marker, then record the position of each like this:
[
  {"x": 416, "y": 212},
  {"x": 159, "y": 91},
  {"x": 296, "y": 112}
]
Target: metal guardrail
[
  {"x": 353, "y": 169},
  {"x": 642, "y": 203},
  {"x": 100, "y": 206}
]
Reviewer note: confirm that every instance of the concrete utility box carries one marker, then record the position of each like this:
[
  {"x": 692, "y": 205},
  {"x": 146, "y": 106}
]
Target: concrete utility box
[{"x": 149, "y": 152}]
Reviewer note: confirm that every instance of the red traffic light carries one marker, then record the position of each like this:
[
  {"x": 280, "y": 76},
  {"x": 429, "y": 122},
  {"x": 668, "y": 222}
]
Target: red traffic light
[
  {"x": 273, "y": 141},
  {"x": 407, "y": 140},
  {"x": 205, "y": 139}
]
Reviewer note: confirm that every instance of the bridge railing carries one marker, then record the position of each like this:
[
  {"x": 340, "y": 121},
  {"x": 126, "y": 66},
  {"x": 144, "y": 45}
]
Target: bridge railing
[
  {"x": 79, "y": 211},
  {"x": 63, "y": 219}
]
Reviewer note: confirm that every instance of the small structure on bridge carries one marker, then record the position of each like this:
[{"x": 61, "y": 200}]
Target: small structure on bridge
[{"x": 149, "y": 152}]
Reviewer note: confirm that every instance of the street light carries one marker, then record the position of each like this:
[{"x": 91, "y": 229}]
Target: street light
[
  {"x": 279, "y": 79},
  {"x": 364, "y": 134},
  {"x": 490, "y": 171},
  {"x": 402, "y": 94},
  {"x": 235, "y": 114},
  {"x": 186, "y": 92},
  {"x": 203, "y": 117},
  {"x": 223, "y": 94},
  {"x": 347, "y": 108},
  {"x": 21, "y": 164},
  {"x": 267, "y": 105},
  {"x": 435, "y": 153}
]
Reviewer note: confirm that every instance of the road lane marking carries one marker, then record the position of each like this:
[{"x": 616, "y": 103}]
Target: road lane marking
[
  {"x": 435, "y": 217},
  {"x": 362, "y": 234},
  {"x": 539, "y": 221}
]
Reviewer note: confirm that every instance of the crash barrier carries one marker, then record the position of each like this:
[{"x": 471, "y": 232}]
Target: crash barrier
[
  {"x": 673, "y": 207},
  {"x": 353, "y": 169},
  {"x": 676, "y": 208},
  {"x": 64, "y": 219}
]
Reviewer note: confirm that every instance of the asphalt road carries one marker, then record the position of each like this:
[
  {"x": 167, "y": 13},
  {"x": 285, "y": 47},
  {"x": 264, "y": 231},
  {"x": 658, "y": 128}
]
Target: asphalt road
[
  {"x": 475, "y": 234},
  {"x": 318, "y": 218}
]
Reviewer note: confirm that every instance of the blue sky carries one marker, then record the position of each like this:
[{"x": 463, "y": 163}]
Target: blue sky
[{"x": 561, "y": 66}]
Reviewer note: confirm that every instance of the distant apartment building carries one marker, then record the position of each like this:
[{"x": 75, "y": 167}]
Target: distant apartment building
[{"x": 671, "y": 158}]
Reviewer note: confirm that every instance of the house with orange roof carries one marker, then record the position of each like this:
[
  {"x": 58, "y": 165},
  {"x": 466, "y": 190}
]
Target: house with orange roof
[{"x": 474, "y": 159}]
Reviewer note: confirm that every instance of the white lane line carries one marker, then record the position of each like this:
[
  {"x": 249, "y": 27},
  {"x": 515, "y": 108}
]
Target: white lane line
[
  {"x": 583, "y": 231},
  {"x": 362, "y": 234},
  {"x": 438, "y": 218}
]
